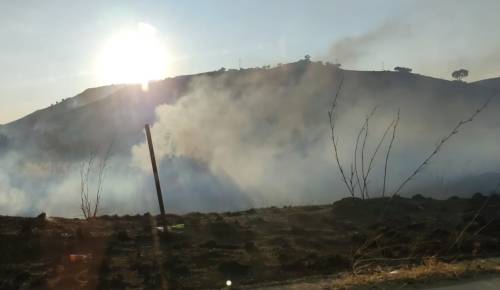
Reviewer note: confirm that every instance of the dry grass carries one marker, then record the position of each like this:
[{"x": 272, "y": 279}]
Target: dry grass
[{"x": 431, "y": 271}]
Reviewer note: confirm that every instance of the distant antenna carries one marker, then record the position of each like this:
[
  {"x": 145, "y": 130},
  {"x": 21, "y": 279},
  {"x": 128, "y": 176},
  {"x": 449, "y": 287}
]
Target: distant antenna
[
  {"x": 383, "y": 66},
  {"x": 239, "y": 63}
]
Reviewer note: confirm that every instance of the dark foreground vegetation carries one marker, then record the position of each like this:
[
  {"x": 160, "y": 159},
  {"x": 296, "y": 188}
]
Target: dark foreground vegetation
[{"x": 249, "y": 247}]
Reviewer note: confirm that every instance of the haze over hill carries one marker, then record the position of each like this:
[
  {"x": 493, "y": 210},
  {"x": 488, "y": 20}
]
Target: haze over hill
[
  {"x": 235, "y": 139},
  {"x": 493, "y": 83}
]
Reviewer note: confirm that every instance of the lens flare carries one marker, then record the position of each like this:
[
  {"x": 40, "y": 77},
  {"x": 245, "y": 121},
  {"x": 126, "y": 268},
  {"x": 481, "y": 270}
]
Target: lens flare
[{"x": 133, "y": 56}]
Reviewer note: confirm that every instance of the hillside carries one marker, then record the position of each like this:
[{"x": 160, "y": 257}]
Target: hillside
[
  {"x": 122, "y": 110},
  {"x": 230, "y": 135},
  {"x": 493, "y": 83}
]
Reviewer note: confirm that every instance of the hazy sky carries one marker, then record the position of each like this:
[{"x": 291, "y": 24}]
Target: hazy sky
[{"x": 48, "y": 49}]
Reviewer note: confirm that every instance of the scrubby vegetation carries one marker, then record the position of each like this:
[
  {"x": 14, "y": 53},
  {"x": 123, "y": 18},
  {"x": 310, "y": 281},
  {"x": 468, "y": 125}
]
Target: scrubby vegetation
[{"x": 252, "y": 247}]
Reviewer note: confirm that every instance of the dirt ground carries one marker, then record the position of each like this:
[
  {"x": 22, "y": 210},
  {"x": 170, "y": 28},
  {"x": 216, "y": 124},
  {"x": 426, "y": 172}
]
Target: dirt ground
[{"x": 249, "y": 247}]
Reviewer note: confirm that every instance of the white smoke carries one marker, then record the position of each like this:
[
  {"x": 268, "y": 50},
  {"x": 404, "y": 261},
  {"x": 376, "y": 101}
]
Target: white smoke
[
  {"x": 432, "y": 38},
  {"x": 274, "y": 142},
  {"x": 266, "y": 139},
  {"x": 12, "y": 200}
]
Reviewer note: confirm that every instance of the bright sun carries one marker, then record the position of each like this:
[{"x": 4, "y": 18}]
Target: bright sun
[{"x": 132, "y": 56}]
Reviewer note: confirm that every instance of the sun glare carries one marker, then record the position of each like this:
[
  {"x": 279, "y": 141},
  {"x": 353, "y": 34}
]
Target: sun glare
[{"x": 132, "y": 56}]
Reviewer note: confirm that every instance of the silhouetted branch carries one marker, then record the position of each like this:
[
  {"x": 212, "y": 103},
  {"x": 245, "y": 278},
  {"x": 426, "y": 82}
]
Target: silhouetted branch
[
  {"x": 331, "y": 116},
  {"x": 440, "y": 145},
  {"x": 379, "y": 145},
  {"x": 364, "y": 170},
  {"x": 356, "y": 148},
  {"x": 100, "y": 178},
  {"x": 389, "y": 148},
  {"x": 460, "y": 235},
  {"x": 85, "y": 169},
  {"x": 90, "y": 208}
]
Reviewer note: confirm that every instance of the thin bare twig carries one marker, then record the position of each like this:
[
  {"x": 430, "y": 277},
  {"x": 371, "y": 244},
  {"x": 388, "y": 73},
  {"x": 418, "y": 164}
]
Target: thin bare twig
[
  {"x": 372, "y": 159},
  {"x": 90, "y": 208},
  {"x": 85, "y": 169},
  {"x": 360, "y": 177},
  {"x": 438, "y": 147},
  {"x": 467, "y": 226},
  {"x": 100, "y": 179},
  {"x": 363, "y": 191},
  {"x": 364, "y": 130},
  {"x": 356, "y": 147},
  {"x": 331, "y": 115},
  {"x": 389, "y": 152}
]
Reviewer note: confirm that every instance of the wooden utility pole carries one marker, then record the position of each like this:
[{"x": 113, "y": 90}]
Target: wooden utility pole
[{"x": 155, "y": 172}]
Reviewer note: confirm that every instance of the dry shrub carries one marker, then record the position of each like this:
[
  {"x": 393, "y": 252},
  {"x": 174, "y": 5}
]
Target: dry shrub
[{"x": 430, "y": 270}]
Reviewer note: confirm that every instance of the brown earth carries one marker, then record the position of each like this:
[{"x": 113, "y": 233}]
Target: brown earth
[{"x": 249, "y": 248}]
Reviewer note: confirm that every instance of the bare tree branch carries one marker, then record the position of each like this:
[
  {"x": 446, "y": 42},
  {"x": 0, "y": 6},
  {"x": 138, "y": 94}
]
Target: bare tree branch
[
  {"x": 90, "y": 208},
  {"x": 100, "y": 178},
  {"x": 360, "y": 169},
  {"x": 331, "y": 116},
  {"x": 85, "y": 170},
  {"x": 467, "y": 226},
  {"x": 372, "y": 159},
  {"x": 394, "y": 128},
  {"x": 356, "y": 150},
  {"x": 363, "y": 172},
  {"x": 440, "y": 145}
]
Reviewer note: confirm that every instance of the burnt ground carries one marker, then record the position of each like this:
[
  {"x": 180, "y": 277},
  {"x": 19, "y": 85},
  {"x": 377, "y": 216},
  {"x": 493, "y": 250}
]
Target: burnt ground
[{"x": 248, "y": 247}]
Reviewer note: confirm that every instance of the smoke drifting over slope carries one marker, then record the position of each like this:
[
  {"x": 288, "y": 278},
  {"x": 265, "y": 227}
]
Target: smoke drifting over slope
[
  {"x": 273, "y": 140},
  {"x": 233, "y": 140},
  {"x": 432, "y": 38},
  {"x": 266, "y": 137}
]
